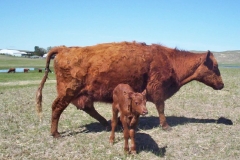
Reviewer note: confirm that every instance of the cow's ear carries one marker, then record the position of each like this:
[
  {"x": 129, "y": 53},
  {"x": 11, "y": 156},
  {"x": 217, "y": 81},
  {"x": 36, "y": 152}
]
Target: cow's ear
[
  {"x": 144, "y": 92},
  {"x": 205, "y": 57},
  {"x": 131, "y": 95},
  {"x": 208, "y": 55},
  {"x": 208, "y": 61}
]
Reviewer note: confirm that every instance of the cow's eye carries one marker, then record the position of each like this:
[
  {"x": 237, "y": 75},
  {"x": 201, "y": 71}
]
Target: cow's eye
[
  {"x": 136, "y": 103},
  {"x": 215, "y": 67}
]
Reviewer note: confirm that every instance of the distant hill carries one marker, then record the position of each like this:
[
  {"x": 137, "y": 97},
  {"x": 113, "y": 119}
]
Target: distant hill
[{"x": 226, "y": 57}]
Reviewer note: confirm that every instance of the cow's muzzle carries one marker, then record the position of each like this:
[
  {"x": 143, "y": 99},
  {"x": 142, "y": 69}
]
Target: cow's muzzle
[{"x": 219, "y": 86}]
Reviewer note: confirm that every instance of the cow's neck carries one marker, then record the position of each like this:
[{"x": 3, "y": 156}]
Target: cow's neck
[{"x": 185, "y": 65}]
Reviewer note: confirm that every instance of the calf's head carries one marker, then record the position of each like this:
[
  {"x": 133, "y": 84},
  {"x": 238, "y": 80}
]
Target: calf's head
[
  {"x": 208, "y": 72},
  {"x": 138, "y": 102}
]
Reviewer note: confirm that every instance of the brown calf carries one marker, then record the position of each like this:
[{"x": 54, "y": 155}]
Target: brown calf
[
  {"x": 130, "y": 105},
  {"x": 88, "y": 74},
  {"x": 11, "y": 70}
]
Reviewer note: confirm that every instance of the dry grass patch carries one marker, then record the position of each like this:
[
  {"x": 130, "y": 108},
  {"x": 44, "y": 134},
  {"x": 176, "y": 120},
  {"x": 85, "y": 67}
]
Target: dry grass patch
[{"x": 193, "y": 114}]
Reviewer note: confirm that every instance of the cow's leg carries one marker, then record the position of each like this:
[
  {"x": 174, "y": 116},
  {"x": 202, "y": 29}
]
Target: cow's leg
[
  {"x": 58, "y": 107},
  {"x": 86, "y": 104},
  {"x": 93, "y": 113},
  {"x": 162, "y": 118},
  {"x": 113, "y": 122}
]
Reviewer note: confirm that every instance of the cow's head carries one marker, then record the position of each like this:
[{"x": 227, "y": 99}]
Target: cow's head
[
  {"x": 208, "y": 72},
  {"x": 138, "y": 102}
]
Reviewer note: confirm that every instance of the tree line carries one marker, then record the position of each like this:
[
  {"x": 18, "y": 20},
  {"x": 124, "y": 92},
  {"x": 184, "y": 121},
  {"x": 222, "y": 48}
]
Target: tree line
[{"x": 38, "y": 51}]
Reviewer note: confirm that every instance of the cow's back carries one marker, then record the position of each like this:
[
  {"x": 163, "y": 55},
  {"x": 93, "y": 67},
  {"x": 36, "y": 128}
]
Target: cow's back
[{"x": 97, "y": 70}]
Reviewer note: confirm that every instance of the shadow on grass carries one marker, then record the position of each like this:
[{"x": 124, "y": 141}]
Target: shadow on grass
[
  {"x": 147, "y": 123},
  {"x": 89, "y": 128},
  {"x": 144, "y": 142},
  {"x": 151, "y": 122}
]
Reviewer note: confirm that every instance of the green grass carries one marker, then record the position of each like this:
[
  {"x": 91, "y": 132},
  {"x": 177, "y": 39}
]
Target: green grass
[
  {"x": 13, "y": 77},
  {"x": 21, "y": 62},
  {"x": 192, "y": 112}
]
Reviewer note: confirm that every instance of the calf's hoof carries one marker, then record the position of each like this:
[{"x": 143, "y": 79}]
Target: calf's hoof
[
  {"x": 133, "y": 152},
  {"x": 167, "y": 128},
  {"x": 56, "y": 135},
  {"x": 126, "y": 150},
  {"x": 111, "y": 141}
]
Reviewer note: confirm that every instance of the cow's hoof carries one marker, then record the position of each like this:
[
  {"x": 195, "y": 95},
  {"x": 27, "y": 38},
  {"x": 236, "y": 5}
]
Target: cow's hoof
[
  {"x": 108, "y": 128},
  {"x": 134, "y": 152}
]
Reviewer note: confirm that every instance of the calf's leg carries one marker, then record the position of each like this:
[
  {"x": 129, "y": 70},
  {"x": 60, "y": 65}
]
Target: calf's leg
[
  {"x": 125, "y": 133},
  {"x": 133, "y": 144},
  {"x": 113, "y": 122},
  {"x": 132, "y": 134}
]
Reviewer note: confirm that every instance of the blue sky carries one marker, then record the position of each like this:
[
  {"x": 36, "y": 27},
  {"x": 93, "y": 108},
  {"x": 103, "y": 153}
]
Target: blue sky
[{"x": 186, "y": 24}]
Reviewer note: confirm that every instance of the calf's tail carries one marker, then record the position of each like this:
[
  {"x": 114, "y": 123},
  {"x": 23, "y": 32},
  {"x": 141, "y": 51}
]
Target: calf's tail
[{"x": 39, "y": 90}]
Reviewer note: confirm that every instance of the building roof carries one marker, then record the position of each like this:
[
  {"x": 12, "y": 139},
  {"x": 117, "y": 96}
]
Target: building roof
[{"x": 11, "y": 52}]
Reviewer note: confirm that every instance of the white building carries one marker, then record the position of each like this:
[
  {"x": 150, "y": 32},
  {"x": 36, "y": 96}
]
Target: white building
[{"x": 13, "y": 52}]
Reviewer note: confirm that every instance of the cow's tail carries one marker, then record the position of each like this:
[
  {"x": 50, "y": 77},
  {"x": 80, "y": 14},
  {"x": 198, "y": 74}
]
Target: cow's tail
[{"x": 39, "y": 90}]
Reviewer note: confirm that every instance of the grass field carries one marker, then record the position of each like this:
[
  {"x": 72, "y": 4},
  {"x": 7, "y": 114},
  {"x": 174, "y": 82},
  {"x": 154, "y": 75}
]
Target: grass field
[
  {"x": 200, "y": 118},
  {"x": 10, "y": 61},
  {"x": 7, "y": 62}
]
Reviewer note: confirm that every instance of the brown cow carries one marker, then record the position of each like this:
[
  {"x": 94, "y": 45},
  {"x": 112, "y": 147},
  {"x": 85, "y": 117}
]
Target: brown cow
[
  {"x": 130, "y": 105},
  {"x": 11, "y": 70},
  {"x": 25, "y": 70},
  {"x": 88, "y": 74},
  {"x": 39, "y": 70}
]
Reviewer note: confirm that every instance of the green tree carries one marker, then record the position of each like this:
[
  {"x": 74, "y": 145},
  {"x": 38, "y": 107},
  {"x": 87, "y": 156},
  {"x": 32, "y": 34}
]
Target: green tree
[
  {"x": 39, "y": 51},
  {"x": 49, "y": 48}
]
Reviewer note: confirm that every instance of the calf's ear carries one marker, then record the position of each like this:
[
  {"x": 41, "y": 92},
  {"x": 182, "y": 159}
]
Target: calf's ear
[
  {"x": 144, "y": 92},
  {"x": 131, "y": 95}
]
